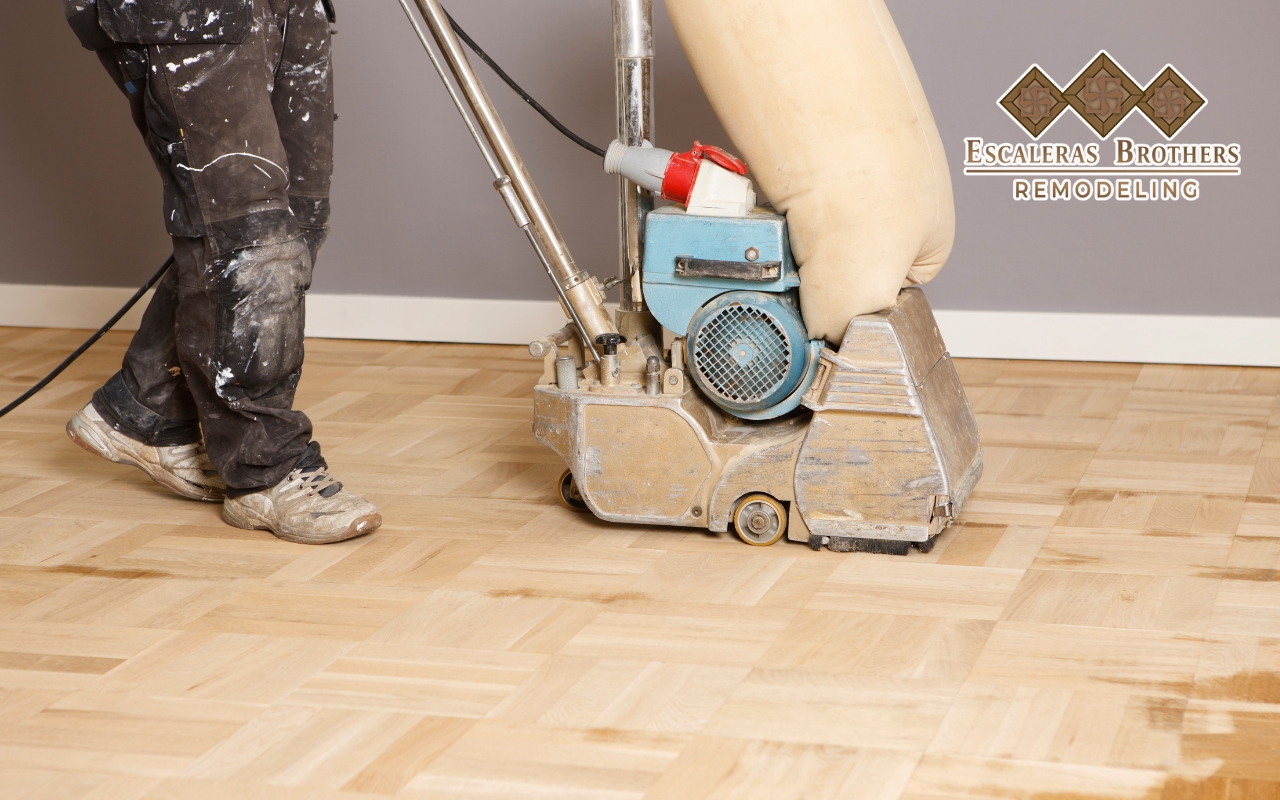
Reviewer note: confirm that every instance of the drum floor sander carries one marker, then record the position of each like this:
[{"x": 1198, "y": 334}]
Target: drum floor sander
[{"x": 744, "y": 423}]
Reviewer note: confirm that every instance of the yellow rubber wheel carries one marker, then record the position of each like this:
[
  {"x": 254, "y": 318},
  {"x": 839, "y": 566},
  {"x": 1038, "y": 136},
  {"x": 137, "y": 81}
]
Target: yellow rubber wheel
[
  {"x": 759, "y": 520},
  {"x": 567, "y": 491}
]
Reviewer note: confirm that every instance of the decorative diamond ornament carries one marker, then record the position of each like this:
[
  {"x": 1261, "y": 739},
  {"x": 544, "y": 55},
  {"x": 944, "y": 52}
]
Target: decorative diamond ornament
[
  {"x": 1034, "y": 102},
  {"x": 1170, "y": 102},
  {"x": 1103, "y": 95}
]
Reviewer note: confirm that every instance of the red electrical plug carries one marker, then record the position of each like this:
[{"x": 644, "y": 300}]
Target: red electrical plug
[{"x": 682, "y": 169}]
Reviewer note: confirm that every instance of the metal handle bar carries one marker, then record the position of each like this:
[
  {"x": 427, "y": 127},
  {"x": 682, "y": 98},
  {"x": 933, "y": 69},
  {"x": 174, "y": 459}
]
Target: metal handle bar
[{"x": 511, "y": 179}]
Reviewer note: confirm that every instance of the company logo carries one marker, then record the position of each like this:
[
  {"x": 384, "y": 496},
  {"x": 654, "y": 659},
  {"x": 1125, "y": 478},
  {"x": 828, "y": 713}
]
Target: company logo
[{"x": 1103, "y": 95}]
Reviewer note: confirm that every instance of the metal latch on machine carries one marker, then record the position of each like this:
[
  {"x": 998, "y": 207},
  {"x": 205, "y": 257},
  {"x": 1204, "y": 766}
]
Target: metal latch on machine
[
  {"x": 813, "y": 397},
  {"x": 943, "y": 506},
  {"x": 687, "y": 267}
]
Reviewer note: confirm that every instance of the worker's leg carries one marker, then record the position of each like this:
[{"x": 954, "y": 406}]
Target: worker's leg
[
  {"x": 307, "y": 504},
  {"x": 148, "y": 398},
  {"x": 303, "y": 103},
  {"x": 242, "y": 264},
  {"x": 240, "y": 343},
  {"x": 144, "y": 415},
  {"x": 227, "y": 121},
  {"x": 240, "y": 284}
]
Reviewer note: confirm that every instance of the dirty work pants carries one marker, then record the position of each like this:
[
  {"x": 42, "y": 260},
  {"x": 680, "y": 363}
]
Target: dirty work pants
[{"x": 242, "y": 134}]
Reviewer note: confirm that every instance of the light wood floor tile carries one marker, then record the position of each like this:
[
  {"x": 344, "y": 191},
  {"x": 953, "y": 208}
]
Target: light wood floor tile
[
  {"x": 28, "y": 782},
  {"x": 1017, "y": 547},
  {"x": 1031, "y": 724},
  {"x": 232, "y": 667},
  {"x": 948, "y": 776},
  {"x": 1260, "y": 518},
  {"x": 1120, "y": 551},
  {"x": 771, "y": 770},
  {"x": 713, "y": 577},
  {"x": 130, "y": 724},
  {"x": 1248, "y": 607},
  {"x": 74, "y": 641},
  {"x": 801, "y": 706},
  {"x": 323, "y": 748},
  {"x": 1266, "y": 479},
  {"x": 1155, "y": 473},
  {"x": 206, "y": 789},
  {"x": 430, "y": 681},
  {"x": 499, "y": 759},
  {"x": 685, "y": 634},
  {"x": 639, "y": 696},
  {"x": 1026, "y": 430},
  {"x": 1114, "y": 600},
  {"x": 65, "y": 758},
  {"x": 1102, "y": 622},
  {"x": 1242, "y": 668},
  {"x": 1241, "y": 739},
  {"x": 881, "y": 645},
  {"x": 409, "y": 755},
  {"x": 1090, "y": 659},
  {"x": 484, "y": 621},
  {"x": 557, "y": 571},
  {"x": 873, "y": 585}
]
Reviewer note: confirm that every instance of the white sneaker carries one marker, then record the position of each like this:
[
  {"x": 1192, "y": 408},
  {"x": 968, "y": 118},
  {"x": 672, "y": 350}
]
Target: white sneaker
[
  {"x": 306, "y": 507},
  {"x": 186, "y": 469}
]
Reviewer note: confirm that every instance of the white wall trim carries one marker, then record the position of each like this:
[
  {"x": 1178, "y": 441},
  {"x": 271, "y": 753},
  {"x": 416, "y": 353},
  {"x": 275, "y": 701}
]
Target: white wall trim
[
  {"x": 1042, "y": 335},
  {"x": 431, "y": 319},
  {"x": 24, "y": 305},
  {"x": 1143, "y": 338}
]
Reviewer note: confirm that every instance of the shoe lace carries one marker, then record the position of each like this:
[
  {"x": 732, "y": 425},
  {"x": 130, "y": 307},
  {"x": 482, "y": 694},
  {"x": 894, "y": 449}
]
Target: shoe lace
[{"x": 315, "y": 481}]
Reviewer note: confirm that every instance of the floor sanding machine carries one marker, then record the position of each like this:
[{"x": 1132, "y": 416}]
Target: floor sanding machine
[{"x": 742, "y": 422}]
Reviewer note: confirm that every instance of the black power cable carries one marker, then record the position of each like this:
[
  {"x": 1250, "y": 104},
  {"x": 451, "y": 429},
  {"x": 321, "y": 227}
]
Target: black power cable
[
  {"x": 89, "y": 342},
  {"x": 46, "y": 380},
  {"x": 578, "y": 140}
]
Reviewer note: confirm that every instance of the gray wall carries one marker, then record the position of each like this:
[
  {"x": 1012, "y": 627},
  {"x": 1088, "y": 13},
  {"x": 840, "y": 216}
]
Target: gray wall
[
  {"x": 414, "y": 214},
  {"x": 1213, "y": 256},
  {"x": 79, "y": 198}
]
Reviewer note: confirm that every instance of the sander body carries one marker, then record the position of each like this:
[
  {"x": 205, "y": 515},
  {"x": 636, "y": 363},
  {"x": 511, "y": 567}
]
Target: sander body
[{"x": 704, "y": 402}]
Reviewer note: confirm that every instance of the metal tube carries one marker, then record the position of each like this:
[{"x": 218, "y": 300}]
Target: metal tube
[
  {"x": 635, "y": 95},
  {"x": 633, "y": 75},
  {"x": 502, "y": 182},
  {"x": 633, "y": 28},
  {"x": 571, "y": 283}
]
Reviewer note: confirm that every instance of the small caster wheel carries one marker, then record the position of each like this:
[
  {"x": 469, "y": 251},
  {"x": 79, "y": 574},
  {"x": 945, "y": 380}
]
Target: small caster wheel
[
  {"x": 567, "y": 491},
  {"x": 759, "y": 520}
]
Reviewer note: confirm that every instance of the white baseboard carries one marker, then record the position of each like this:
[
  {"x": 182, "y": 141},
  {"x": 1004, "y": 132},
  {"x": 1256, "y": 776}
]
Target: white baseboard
[
  {"x": 1039, "y": 335},
  {"x": 24, "y": 305},
  {"x": 430, "y": 319},
  {"x": 1142, "y": 338}
]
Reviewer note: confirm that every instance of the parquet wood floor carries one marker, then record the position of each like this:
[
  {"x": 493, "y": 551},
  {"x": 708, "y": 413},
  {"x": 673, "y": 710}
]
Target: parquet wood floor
[{"x": 1103, "y": 622}]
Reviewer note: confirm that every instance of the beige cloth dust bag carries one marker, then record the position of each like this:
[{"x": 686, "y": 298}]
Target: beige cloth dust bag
[{"x": 822, "y": 102}]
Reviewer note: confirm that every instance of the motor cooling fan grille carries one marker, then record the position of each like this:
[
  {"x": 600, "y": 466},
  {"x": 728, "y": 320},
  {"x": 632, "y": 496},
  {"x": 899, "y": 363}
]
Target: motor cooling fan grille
[{"x": 742, "y": 354}]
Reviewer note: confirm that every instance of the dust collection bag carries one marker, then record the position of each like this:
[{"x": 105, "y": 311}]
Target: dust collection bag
[{"x": 822, "y": 102}]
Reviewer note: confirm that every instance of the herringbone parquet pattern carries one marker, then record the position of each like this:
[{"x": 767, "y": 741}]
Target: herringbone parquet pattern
[{"x": 1105, "y": 621}]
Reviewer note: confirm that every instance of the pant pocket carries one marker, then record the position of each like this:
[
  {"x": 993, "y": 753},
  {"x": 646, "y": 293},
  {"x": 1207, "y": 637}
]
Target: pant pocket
[{"x": 182, "y": 215}]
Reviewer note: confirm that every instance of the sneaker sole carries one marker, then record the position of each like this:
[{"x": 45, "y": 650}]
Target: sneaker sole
[
  {"x": 247, "y": 519},
  {"x": 89, "y": 439}
]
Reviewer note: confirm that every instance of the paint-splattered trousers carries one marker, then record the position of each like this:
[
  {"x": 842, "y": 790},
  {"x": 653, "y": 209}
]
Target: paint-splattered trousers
[{"x": 234, "y": 100}]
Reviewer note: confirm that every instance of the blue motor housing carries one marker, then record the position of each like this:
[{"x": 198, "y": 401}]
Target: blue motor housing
[
  {"x": 747, "y": 350},
  {"x": 730, "y": 286},
  {"x": 674, "y": 295}
]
